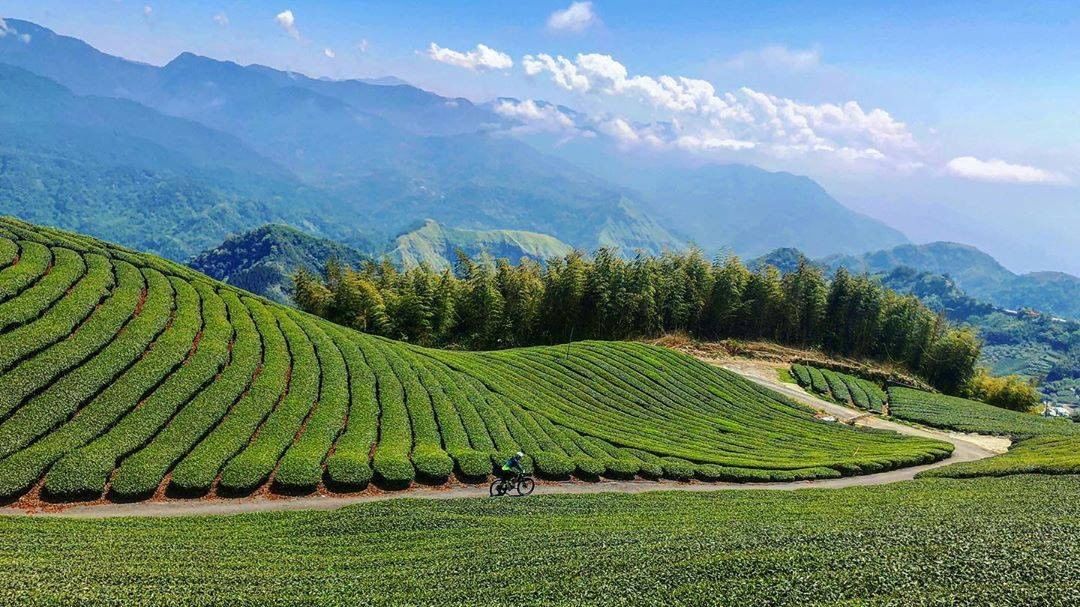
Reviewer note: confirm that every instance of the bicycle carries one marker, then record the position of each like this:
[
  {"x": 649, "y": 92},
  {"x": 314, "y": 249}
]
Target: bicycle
[{"x": 519, "y": 483}]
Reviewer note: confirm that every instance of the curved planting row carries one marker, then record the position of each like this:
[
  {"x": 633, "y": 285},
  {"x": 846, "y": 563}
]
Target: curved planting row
[
  {"x": 965, "y": 415},
  {"x": 841, "y": 387},
  {"x": 125, "y": 374},
  {"x": 1042, "y": 454}
]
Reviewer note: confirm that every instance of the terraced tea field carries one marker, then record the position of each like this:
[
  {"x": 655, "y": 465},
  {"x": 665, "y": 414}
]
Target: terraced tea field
[
  {"x": 964, "y": 415},
  {"x": 841, "y": 387},
  {"x": 124, "y": 374},
  {"x": 1044, "y": 445}
]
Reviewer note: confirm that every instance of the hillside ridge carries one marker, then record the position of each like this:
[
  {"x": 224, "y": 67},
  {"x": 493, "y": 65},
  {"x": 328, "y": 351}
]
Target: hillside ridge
[{"x": 146, "y": 375}]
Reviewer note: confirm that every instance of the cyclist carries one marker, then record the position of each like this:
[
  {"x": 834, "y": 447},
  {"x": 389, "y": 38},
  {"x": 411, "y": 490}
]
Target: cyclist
[{"x": 513, "y": 465}]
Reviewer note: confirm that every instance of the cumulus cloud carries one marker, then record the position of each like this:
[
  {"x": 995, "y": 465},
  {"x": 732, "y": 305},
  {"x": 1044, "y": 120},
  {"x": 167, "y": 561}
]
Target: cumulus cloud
[
  {"x": 287, "y": 21},
  {"x": 994, "y": 170},
  {"x": 221, "y": 19},
  {"x": 740, "y": 119},
  {"x": 363, "y": 45},
  {"x": 777, "y": 56},
  {"x": 147, "y": 11},
  {"x": 577, "y": 17},
  {"x": 481, "y": 58},
  {"x": 536, "y": 117},
  {"x": 329, "y": 52}
]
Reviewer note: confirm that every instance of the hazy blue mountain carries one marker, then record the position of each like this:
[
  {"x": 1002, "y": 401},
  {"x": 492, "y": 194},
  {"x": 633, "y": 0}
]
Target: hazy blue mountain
[
  {"x": 404, "y": 106},
  {"x": 752, "y": 211},
  {"x": 263, "y": 260},
  {"x": 119, "y": 170},
  {"x": 437, "y": 246},
  {"x": 384, "y": 156},
  {"x": 74, "y": 63},
  {"x": 384, "y": 81},
  {"x": 977, "y": 273}
]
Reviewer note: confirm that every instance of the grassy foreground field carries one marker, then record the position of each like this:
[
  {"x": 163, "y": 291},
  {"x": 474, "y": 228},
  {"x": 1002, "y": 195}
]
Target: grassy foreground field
[
  {"x": 124, "y": 374},
  {"x": 1009, "y": 541}
]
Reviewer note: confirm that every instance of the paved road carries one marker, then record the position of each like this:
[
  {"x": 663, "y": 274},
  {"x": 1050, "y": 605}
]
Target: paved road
[{"x": 966, "y": 449}]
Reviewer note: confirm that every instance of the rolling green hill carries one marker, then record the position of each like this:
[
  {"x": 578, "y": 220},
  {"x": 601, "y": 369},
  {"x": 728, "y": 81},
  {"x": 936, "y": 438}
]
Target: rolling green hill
[
  {"x": 436, "y": 245},
  {"x": 263, "y": 260},
  {"x": 124, "y": 373}
]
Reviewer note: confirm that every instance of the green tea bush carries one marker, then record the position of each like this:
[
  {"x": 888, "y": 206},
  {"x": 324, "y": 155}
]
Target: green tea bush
[
  {"x": 432, "y": 463},
  {"x": 34, "y": 260},
  {"x": 553, "y": 465},
  {"x": 678, "y": 469}
]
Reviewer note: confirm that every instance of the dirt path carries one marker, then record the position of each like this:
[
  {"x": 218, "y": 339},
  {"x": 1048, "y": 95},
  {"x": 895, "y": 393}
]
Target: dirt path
[{"x": 967, "y": 448}]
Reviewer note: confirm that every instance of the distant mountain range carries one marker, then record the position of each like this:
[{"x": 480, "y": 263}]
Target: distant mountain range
[
  {"x": 766, "y": 211},
  {"x": 977, "y": 273},
  {"x": 263, "y": 260},
  {"x": 971, "y": 288},
  {"x": 968, "y": 269},
  {"x": 214, "y": 148},
  {"x": 436, "y": 246}
]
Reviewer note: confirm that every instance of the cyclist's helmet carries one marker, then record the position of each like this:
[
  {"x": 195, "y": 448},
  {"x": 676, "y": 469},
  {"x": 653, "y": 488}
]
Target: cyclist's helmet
[{"x": 520, "y": 454}]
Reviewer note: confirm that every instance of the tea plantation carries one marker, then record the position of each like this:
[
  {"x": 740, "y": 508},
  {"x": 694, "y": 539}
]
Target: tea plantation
[
  {"x": 123, "y": 374},
  {"x": 1045, "y": 446},
  {"x": 998, "y": 542},
  {"x": 841, "y": 387}
]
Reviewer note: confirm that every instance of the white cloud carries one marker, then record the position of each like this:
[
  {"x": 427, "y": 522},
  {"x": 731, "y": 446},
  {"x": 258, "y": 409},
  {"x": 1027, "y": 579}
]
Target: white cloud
[
  {"x": 221, "y": 19},
  {"x": 287, "y": 21},
  {"x": 536, "y": 117},
  {"x": 969, "y": 167},
  {"x": 329, "y": 52},
  {"x": 707, "y": 143},
  {"x": 479, "y": 59},
  {"x": 563, "y": 72},
  {"x": 575, "y": 18},
  {"x": 740, "y": 119},
  {"x": 363, "y": 45},
  {"x": 147, "y": 11},
  {"x": 777, "y": 56},
  {"x": 621, "y": 131}
]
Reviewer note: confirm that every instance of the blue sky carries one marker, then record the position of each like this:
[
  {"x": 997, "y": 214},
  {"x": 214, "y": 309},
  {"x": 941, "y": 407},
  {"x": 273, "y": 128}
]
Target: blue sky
[{"x": 979, "y": 101}]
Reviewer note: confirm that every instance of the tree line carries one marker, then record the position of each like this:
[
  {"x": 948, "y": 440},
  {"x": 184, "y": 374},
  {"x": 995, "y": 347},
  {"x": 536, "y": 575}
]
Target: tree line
[{"x": 490, "y": 304}]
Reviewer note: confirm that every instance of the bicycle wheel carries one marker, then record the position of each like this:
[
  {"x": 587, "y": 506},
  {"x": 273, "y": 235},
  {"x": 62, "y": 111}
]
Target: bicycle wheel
[
  {"x": 497, "y": 488},
  {"x": 525, "y": 486}
]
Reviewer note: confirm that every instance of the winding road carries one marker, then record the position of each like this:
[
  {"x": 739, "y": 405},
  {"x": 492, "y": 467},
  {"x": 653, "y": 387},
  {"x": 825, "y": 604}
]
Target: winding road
[{"x": 967, "y": 448}]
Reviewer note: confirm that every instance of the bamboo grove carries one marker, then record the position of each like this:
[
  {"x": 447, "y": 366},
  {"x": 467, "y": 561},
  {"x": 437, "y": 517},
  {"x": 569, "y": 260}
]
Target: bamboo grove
[{"x": 493, "y": 304}]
